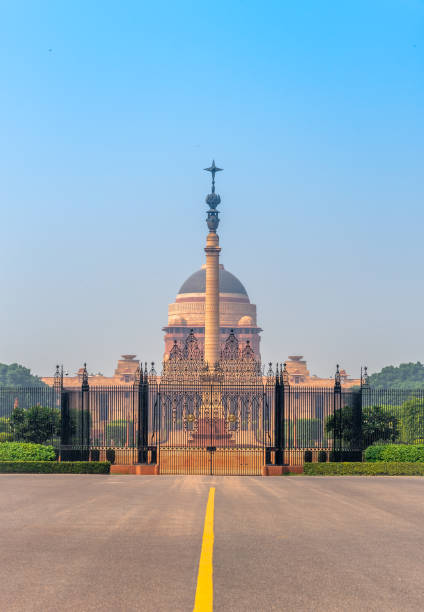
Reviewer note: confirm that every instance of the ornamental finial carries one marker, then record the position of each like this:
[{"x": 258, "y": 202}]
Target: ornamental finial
[
  {"x": 213, "y": 200},
  {"x": 213, "y": 170}
]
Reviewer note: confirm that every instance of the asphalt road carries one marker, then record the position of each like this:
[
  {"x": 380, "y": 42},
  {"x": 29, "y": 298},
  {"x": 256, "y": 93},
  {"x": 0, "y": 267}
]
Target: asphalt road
[{"x": 82, "y": 542}]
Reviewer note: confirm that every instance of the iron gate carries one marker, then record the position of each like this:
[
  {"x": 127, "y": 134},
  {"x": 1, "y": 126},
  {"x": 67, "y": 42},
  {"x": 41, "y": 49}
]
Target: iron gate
[{"x": 211, "y": 428}]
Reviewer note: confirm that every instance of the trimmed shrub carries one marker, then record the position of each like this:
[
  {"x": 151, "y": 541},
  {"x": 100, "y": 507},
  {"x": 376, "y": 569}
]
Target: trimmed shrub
[
  {"x": 110, "y": 455},
  {"x": 26, "y": 451},
  {"x": 307, "y": 456},
  {"x": 53, "y": 467},
  {"x": 395, "y": 452},
  {"x": 377, "y": 468},
  {"x": 322, "y": 456},
  {"x": 95, "y": 454},
  {"x": 403, "y": 452},
  {"x": 374, "y": 453}
]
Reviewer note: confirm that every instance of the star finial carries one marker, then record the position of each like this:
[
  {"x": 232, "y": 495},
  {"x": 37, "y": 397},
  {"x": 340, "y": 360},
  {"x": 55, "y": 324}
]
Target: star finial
[{"x": 213, "y": 170}]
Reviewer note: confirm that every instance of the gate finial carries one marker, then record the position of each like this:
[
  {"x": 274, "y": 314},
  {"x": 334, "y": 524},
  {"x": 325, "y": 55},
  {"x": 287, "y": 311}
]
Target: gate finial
[
  {"x": 365, "y": 379},
  {"x": 337, "y": 378},
  {"x": 286, "y": 379},
  {"x": 152, "y": 369}
]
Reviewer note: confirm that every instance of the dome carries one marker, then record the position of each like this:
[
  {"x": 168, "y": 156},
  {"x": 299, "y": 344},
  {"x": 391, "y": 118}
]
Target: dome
[
  {"x": 245, "y": 321},
  {"x": 176, "y": 320},
  {"x": 228, "y": 283}
]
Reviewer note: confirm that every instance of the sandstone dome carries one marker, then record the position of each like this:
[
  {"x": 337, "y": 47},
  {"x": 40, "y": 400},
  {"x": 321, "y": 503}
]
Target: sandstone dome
[
  {"x": 236, "y": 313},
  {"x": 228, "y": 283},
  {"x": 176, "y": 320},
  {"x": 246, "y": 321}
]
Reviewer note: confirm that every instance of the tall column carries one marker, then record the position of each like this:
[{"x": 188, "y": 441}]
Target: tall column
[
  {"x": 212, "y": 300},
  {"x": 212, "y": 251}
]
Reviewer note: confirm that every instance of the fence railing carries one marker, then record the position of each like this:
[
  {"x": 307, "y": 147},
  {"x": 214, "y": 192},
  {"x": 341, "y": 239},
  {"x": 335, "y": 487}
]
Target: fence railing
[{"x": 130, "y": 423}]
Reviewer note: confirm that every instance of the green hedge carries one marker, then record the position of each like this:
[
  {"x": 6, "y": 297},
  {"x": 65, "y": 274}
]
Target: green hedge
[
  {"x": 395, "y": 452},
  {"x": 373, "y": 453},
  {"x": 365, "y": 469},
  {"x": 26, "y": 451},
  {"x": 53, "y": 467}
]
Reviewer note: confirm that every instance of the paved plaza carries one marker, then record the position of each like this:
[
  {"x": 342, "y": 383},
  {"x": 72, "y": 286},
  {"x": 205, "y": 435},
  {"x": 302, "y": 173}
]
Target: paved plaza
[{"x": 84, "y": 542}]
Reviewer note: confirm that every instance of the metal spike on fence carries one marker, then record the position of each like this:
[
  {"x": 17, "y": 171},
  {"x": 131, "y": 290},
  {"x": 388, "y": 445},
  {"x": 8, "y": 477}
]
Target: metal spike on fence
[
  {"x": 152, "y": 369},
  {"x": 364, "y": 379},
  {"x": 285, "y": 375},
  {"x": 58, "y": 384},
  {"x": 337, "y": 379},
  {"x": 138, "y": 375}
]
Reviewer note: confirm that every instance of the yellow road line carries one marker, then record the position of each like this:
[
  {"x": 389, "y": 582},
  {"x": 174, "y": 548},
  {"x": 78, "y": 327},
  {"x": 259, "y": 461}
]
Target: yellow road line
[{"x": 204, "y": 590}]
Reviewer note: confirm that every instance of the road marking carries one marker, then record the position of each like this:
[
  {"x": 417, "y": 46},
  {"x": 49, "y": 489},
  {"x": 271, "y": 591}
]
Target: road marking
[{"x": 204, "y": 590}]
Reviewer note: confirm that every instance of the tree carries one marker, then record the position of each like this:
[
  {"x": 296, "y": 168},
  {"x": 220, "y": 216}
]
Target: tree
[
  {"x": 406, "y": 376},
  {"x": 412, "y": 421},
  {"x": 378, "y": 425},
  {"x": 4, "y": 424},
  {"x": 15, "y": 375},
  {"x": 37, "y": 424},
  {"x": 340, "y": 424},
  {"x": 5, "y": 433}
]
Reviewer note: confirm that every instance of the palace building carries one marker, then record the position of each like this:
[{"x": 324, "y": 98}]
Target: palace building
[
  {"x": 213, "y": 407},
  {"x": 298, "y": 373},
  {"x": 212, "y": 308}
]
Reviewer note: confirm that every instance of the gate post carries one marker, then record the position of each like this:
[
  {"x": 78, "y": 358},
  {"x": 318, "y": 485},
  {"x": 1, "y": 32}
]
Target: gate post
[
  {"x": 338, "y": 426},
  {"x": 85, "y": 416},
  {"x": 358, "y": 411},
  {"x": 356, "y": 442},
  {"x": 141, "y": 390},
  {"x": 285, "y": 389},
  {"x": 61, "y": 403},
  {"x": 153, "y": 450},
  {"x": 269, "y": 432},
  {"x": 281, "y": 381}
]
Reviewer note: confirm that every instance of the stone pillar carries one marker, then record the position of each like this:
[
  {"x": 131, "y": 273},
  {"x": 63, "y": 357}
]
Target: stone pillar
[
  {"x": 211, "y": 351},
  {"x": 212, "y": 250}
]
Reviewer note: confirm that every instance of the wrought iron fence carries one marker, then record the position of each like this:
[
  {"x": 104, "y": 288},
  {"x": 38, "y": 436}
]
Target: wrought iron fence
[
  {"x": 211, "y": 427},
  {"x": 394, "y": 415},
  {"x": 30, "y": 414}
]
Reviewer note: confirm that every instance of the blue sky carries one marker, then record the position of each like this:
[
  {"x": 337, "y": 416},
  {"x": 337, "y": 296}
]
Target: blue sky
[{"x": 108, "y": 114}]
